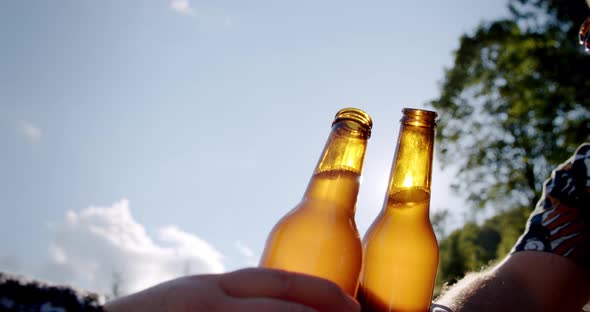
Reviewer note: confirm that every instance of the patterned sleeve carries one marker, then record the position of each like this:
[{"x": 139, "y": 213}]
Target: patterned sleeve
[
  {"x": 18, "y": 294},
  {"x": 560, "y": 224}
]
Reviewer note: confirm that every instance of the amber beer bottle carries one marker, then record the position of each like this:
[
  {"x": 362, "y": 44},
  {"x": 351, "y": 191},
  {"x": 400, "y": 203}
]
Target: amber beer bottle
[
  {"x": 319, "y": 236},
  {"x": 400, "y": 248}
]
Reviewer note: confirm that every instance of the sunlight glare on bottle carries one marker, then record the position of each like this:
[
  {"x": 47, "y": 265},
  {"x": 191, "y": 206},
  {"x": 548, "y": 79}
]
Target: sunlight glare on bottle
[{"x": 408, "y": 181}]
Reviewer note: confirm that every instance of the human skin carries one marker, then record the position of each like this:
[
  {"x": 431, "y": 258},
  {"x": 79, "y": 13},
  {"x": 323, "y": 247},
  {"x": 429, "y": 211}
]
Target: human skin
[{"x": 247, "y": 290}]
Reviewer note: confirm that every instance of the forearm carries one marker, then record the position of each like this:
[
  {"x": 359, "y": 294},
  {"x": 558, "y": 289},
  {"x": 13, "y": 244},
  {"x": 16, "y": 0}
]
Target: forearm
[
  {"x": 488, "y": 291},
  {"x": 526, "y": 281},
  {"x": 548, "y": 268}
]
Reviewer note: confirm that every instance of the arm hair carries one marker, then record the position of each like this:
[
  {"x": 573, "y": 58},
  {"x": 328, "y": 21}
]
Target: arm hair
[{"x": 525, "y": 281}]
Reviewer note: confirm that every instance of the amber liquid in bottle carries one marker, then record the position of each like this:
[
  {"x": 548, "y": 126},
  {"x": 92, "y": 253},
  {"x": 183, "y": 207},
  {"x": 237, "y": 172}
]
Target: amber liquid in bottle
[
  {"x": 319, "y": 236},
  {"x": 400, "y": 247}
]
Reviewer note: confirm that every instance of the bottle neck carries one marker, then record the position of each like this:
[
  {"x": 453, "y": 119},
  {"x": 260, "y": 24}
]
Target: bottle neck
[
  {"x": 411, "y": 170},
  {"x": 336, "y": 178}
]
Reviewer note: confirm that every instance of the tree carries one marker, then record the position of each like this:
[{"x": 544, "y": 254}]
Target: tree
[
  {"x": 474, "y": 246},
  {"x": 509, "y": 225},
  {"x": 439, "y": 223},
  {"x": 515, "y": 103},
  {"x": 452, "y": 264}
]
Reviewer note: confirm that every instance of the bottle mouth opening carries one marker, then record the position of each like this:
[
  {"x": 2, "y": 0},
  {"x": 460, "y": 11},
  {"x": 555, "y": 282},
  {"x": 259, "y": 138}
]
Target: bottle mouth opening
[
  {"x": 419, "y": 117},
  {"x": 356, "y": 115}
]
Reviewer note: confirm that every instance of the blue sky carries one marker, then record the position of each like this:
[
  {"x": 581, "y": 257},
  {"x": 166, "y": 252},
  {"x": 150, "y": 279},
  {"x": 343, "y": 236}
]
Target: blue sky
[{"x": 192, "y": 126}]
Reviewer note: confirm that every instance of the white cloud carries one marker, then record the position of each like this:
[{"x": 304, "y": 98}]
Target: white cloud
[
  {"x": 182, "y": 7},
  {"x": 247, "y": 253},
  {"x": 244, "y": 250},
  {"x": 31, "y": 132},
  {"x": 98, "y": 245}
]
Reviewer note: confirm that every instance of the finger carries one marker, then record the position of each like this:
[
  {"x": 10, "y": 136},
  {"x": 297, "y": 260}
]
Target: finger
[
  {"x": 311, "y": 291},
  {"x": 266, "y": 305}
]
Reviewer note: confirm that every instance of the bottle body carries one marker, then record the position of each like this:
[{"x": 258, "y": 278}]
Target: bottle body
[
  {"x": 400, "y": 247},
  {"x": 319, "y": 236},
  {"x": 401, "y": 255}
]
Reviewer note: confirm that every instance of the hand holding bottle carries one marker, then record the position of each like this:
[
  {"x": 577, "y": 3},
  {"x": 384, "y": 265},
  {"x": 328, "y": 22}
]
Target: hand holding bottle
[{"x": 248, "y": 290}]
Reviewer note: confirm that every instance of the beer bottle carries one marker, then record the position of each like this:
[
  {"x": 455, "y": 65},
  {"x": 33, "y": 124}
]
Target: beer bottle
[
  {"x": 400, "y": 248},
  {"x": 319, "y": 236}
]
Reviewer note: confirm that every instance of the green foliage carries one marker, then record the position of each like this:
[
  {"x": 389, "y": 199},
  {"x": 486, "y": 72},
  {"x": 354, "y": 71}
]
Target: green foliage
[
  {"x": 438, "y": 220},
  {"x": 474, "y": 246},
  {"x": 509, "y": 225},
  {"x": 515, "y": 103}
]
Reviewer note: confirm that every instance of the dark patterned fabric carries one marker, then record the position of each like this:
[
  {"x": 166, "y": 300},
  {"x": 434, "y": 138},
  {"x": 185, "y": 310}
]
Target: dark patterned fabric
[
  {"x": 18, "y": 294},
  {"x": 560, "y": 223}
]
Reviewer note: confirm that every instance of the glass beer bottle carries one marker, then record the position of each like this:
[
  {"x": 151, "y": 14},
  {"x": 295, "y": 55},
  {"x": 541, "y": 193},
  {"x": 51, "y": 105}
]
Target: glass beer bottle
[
  {"x": 319, "y": 236},
  {"x": 400, "y": 248}
]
